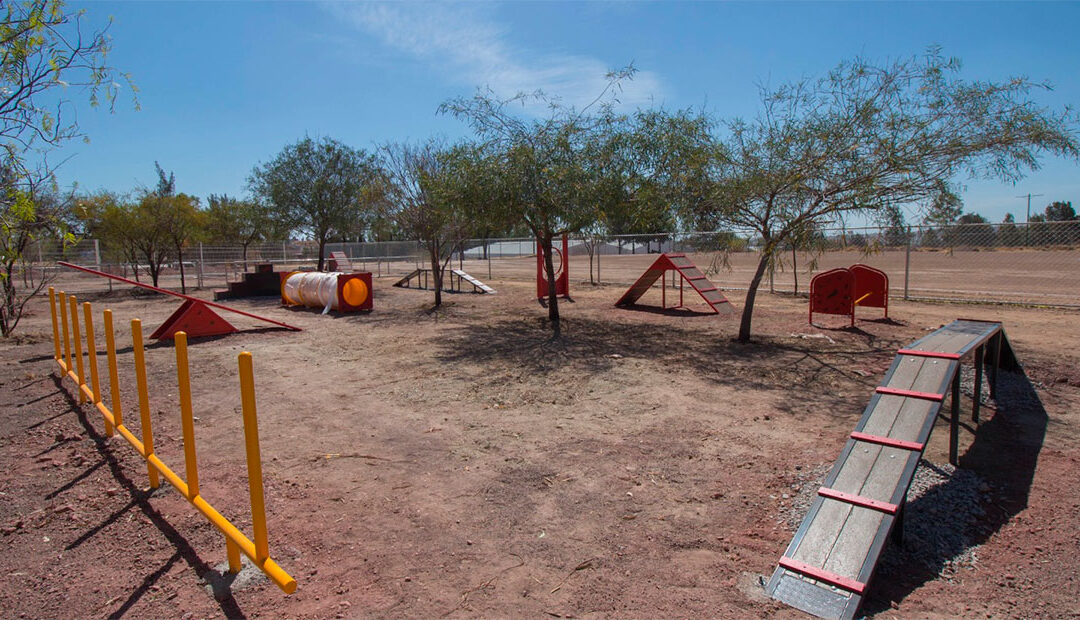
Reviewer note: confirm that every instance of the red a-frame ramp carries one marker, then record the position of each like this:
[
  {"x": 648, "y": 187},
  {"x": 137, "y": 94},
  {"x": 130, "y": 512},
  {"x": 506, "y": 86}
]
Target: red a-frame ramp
[
  {"x": 827, "y": 566},
  {"x": 690, "y": 274}
]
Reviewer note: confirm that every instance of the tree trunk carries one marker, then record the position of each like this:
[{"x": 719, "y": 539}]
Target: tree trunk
[
  {"x": 322, "y": 248},
  {"x": 590, "y": 245},
  {"x": 244, "y": 256},
  {"x": 436, "y": 273},
  {"x": 751, "y": 294},
  {"x": 553, "y": 298},
  {"x": 7, "y": 312},
  {"x": 795, "y": 268}
]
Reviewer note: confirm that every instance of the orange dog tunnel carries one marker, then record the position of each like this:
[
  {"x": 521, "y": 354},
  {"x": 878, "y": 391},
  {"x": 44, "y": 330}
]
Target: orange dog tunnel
[{"x": 344, "y": 292}]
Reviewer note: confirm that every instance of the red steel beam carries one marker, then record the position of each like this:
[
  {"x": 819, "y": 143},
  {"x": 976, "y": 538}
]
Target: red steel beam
[
  {"x": 939, "y": 354},
  {"x": 858, "y": 500},
  {"x": 821, "y": 574},
  {"x": 180, "y": 295},
  {"x": 887, "y": 441},
  {"x": 911, "y": 394}
]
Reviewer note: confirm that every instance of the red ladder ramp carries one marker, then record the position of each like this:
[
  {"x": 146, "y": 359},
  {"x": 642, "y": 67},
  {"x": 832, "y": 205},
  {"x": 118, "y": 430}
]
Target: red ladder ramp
[{"x": 689, "y": 272}]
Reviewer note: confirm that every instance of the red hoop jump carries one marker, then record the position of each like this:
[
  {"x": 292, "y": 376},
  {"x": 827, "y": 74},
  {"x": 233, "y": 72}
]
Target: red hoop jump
[{"x": 562, "y": 271}]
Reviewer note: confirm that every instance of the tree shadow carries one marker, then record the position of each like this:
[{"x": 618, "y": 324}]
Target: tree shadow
[
  {"x": 591, "y": 346},
  {"x": 681, "y": 311},
  {"x": 1004, "y": 454},
  {"x": 139, "y": 499}
]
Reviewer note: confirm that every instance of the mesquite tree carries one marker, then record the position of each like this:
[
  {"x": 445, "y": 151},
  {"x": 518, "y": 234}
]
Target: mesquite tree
[
  {"x": 322, "y": 188},
  {"x": 550, "y": 171},
  {"x": 436, "y": 195},
  {"x": 865, "y": 138},
  {"x": 47, "y": 53}
]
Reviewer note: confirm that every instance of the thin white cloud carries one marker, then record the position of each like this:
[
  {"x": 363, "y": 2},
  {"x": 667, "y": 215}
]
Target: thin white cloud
[{"x": 469, "y": 47}]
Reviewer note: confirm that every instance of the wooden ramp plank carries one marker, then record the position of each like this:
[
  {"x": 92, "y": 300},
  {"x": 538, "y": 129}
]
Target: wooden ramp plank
[
  {"x": 405, "y": 282},
  {"x": 839, "y": 542},
  {"x": 477, "y": 284}
]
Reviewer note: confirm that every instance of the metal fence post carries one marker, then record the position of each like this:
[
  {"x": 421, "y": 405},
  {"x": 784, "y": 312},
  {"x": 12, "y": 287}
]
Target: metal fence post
[
  {"x": 599, "y": 247},
  {"x": 200, "y": 273},
  {"x": 907, "y": 264}
]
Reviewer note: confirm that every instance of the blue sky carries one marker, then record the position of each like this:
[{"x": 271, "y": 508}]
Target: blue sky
[{"x": 224, "y": 86}]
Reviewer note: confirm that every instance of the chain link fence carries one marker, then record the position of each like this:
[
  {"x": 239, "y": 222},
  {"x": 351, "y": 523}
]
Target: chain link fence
[{"x": 1036, "y": 263}]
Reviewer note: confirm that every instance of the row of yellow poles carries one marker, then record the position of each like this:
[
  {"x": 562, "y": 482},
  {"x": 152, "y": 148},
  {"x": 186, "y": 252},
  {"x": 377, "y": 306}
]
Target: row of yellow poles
[{"x": 235, "y": 541}]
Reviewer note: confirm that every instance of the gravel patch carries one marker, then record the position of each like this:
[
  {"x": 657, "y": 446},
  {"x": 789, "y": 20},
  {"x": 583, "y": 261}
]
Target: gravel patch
[{"x": 943, "y": 517}]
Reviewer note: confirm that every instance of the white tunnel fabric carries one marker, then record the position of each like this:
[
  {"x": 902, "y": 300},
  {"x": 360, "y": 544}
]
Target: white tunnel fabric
[{"x": 314, "y": 289}]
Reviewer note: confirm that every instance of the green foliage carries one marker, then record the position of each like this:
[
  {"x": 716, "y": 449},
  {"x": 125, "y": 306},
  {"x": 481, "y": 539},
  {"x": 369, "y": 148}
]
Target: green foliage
[
  {"x": 150, "y": 235},
  {"x": 242, "y": 222},
  {"x": 554, "y": 174},
  {"x": 322, "y": 188},
  {"x": 1060, "y": 211},
  {"x": 1008, "y": 233},
  {"x": 865, "y": 138},
  {"x": 436, "y": 195},
  {"x": 184, "y": 224},
  {"x": 971, "y": 230},
  {"x": 44, "y": 53},
  {"x": 25, "y": 217}
]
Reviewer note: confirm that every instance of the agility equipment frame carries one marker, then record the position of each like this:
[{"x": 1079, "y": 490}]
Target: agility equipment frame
[{"x": 73, "y": 368}]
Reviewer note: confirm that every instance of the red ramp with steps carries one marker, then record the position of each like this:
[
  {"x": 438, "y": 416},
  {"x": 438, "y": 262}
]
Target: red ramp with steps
[{"x": 690, "y": 274}]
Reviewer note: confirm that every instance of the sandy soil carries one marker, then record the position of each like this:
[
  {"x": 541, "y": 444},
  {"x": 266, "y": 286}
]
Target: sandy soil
[{"x": 459, "y": 464}]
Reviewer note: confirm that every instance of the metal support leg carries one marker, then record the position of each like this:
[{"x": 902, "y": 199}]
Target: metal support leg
[
  {"x": 954, "y": 420},
  {"x": 976, "y": 395},
  {"x": 995, "y": 366},
  {"x": 898, "y": 527}
]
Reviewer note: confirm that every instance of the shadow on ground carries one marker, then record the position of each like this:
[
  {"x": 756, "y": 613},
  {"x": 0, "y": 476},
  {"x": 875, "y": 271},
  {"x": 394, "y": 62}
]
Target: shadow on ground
[
  {"x": 793, "y": 366},
  {"x": 139, "y": 500},
  {"x": 1004, "y": 453}
]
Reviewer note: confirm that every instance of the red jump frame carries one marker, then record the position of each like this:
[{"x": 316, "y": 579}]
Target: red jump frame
[{"x": 841, "y": 290}]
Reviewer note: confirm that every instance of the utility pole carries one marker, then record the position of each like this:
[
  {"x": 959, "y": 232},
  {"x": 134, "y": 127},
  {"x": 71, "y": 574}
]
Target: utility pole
[{"x": 1027, "y": 219}]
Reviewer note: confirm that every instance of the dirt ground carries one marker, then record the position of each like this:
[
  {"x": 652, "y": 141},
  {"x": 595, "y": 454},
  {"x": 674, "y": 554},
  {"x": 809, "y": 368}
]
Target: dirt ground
[{"x": 460, "y": 464}]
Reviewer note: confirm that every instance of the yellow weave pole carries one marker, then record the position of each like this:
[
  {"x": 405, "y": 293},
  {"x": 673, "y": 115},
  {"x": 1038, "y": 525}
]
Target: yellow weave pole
[
  {"x": 114, "y": 376},
  {"x": 187, "y": 421},
  {"x": 862, "y": 298},
  {"x": 67, "y": 338},
  {"x": 95, "y": 384},
  {"x": 144, "y": 402},
  {"x": 77, "y": 339},
  {"x": 232, "y": 551},
  {"x": 254, "y": 460},
  {"x": 55, "y": 324}
]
